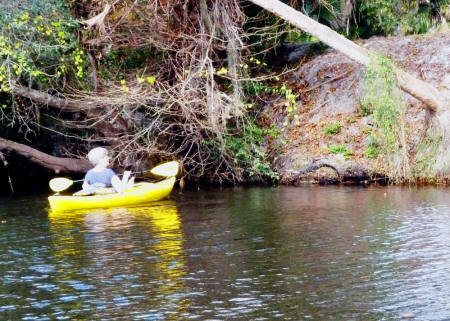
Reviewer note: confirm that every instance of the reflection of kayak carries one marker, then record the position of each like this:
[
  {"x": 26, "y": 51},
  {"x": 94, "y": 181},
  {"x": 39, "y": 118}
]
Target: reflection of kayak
[{"x": 141, "y": 193}]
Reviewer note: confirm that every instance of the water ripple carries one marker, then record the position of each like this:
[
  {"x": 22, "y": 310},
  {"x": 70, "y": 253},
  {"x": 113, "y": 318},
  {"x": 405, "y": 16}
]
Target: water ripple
[{"x": 241, "y": 254}]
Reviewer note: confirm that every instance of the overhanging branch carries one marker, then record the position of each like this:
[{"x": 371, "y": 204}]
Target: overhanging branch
[
  {"x": 57, "y": 164},
  {"x": 44, "y": 98}
]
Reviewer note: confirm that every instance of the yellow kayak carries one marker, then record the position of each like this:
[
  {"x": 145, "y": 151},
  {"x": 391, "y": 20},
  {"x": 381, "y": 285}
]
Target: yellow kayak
[{"x": 141, "y": 193}]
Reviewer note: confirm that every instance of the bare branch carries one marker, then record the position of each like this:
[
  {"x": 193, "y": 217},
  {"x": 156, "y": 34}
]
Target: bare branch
[{"x": 98, "y": 20}]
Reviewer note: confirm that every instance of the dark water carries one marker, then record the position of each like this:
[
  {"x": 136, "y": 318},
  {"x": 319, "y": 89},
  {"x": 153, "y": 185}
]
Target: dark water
[{"x": 284, "y": 253}]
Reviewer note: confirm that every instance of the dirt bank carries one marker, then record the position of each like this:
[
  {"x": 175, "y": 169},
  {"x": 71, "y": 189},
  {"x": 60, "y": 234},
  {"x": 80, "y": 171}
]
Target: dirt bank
[{"x": 330, "y": 88}]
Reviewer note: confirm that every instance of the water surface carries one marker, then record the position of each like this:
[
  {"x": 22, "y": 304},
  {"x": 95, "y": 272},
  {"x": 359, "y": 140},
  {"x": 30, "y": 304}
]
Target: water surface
[{"x": 277, "y": 253}]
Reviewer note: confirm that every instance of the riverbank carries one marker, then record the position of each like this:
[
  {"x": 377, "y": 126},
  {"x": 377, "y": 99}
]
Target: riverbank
[{"x": 332, "y": 138}]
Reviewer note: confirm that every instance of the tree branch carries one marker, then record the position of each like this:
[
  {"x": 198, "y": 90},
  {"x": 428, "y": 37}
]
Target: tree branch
[
  {"x": 98, "y": 20},
  {"x": 57, "y": 164},
  {"x": 44, "y": 98}
]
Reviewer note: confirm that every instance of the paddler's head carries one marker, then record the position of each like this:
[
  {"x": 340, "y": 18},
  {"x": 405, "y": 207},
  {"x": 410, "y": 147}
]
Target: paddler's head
[{"x": 98, "y": 156}]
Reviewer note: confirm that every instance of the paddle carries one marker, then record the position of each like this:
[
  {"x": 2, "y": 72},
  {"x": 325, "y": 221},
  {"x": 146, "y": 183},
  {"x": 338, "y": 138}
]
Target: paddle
[{"x": 168, "y": 169}]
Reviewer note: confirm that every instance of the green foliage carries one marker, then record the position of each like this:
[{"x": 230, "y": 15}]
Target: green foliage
[
  {"x": 350, "y": 119},
  {"x": 418, "y": 23},
  {"x": 337, "y": 149},
  {"x": 257, "y": 88},
  {"x": 372, "y": 150},
  {"x": 38, "y": 45},
  {"x": 294, "y": 35},
  {"x": 332, "y": 129},
  {"x": 380, "y": 15},
  {"x": 389, "y": 17},
  {"x": 340, "y": 149},
  {"x": 365, "y": 108},
  {"x": 383, "y": 97},
  {"x": 123, "y": 60},
  {"x": 248, "y": 153}
]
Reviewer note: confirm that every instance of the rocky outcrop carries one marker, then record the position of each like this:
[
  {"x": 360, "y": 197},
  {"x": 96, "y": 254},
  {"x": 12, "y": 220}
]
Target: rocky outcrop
[{"x": 329, "y": 90}]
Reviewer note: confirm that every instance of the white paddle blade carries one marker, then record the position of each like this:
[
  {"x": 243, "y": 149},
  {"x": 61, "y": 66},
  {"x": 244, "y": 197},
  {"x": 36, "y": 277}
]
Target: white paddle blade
[
  {"x": 167, "y": 169},
  {"x": 60, "y": 184}
]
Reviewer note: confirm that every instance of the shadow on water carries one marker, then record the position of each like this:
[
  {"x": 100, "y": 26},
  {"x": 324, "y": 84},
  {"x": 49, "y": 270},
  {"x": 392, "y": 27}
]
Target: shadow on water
[{"x": 276, "y": 253}]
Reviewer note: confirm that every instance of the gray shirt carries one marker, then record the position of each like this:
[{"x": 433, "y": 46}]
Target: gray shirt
[{"x": 99, "y": 179}]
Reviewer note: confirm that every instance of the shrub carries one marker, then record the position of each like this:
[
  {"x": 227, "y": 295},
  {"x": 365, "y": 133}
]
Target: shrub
[
  {"x": 248, "y": 152},
  {"x": 340, "y": 149},
  {"x": 332, "y": 128}
]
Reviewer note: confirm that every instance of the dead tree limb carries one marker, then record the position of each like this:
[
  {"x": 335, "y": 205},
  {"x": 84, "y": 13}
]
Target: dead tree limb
[
  {"x": 111, "y": 128},
  {"x": 57, "y": 164},
  {"x": 98, "y": 20},
  {"x": 44, "y": 98}
]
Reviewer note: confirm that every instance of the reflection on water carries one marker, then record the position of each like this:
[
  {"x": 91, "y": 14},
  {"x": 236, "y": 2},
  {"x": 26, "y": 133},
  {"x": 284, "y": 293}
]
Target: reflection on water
[
  {"x": 314, "y": 253},
  {"x": 131, "y": 272},
  {"x": 122, "y": 263}
]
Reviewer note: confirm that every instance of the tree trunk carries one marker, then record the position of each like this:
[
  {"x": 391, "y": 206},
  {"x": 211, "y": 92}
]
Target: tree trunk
[
  {"x": 57, "y": 164},
  {"x": 417, "y": 88}
]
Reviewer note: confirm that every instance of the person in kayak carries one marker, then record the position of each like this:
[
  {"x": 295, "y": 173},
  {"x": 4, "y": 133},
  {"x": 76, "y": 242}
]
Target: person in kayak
[{"x": 102, "y": 176}]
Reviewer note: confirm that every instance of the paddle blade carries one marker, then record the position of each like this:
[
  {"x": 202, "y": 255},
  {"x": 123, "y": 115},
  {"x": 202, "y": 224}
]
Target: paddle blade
[
  {"x": 167, "y": 169},
  {"x": 60, "y": 184}
]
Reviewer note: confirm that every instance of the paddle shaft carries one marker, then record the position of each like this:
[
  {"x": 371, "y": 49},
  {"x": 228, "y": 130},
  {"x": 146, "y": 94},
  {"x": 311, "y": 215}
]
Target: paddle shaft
[{"x": 132, "y": 173}]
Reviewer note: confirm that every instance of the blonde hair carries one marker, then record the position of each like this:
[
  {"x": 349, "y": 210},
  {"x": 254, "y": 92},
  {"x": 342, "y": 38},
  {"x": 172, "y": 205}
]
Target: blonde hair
[{"x": 96, "y": 154}]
